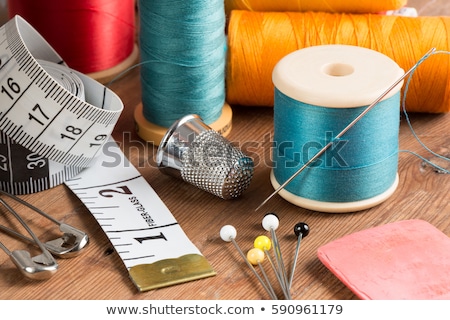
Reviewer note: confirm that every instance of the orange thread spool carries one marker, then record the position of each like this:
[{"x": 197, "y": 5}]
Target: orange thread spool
[
  {"x": 355, "y": 6},
  {"x": 258, "y": 40}
]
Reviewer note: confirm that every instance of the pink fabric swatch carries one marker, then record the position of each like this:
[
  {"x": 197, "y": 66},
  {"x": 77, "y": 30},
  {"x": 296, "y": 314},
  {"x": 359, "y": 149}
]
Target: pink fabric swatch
[{"x": 407, "y": 259}]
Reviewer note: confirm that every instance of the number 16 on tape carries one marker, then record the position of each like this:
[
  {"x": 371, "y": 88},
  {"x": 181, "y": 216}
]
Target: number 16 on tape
[{"x": 143, "y": 231}]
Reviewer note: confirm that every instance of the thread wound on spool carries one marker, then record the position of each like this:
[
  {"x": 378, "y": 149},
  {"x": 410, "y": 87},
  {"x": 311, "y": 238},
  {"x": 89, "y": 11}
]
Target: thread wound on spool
[
  {"x": 258, "y": 40},
  {"x": 183, "y": 48},
  {"x": 36, "y": 158},
  {"x": 319, "y": 91},
  {"x": 91, "y": 36},
  {"x": 356, "y": 6}
]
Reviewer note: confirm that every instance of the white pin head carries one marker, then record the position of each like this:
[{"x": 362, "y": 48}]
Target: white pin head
[
  {"x": 228, "y": 232},
  {"x": 270, "y": 222}
]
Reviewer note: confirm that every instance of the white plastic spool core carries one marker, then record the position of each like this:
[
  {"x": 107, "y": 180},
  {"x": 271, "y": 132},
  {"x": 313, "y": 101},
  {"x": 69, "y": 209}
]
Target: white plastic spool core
[{"x": 336, "y": 76}]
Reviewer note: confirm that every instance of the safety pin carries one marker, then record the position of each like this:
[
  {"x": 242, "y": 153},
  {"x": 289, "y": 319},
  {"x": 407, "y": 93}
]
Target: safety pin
[
  {"x": 39, "y": 267},
  {"x": 67, "y": 246}
]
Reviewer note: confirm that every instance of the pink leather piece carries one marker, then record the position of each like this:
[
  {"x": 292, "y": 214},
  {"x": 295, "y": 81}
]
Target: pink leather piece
[{"x": 407, "y": 259}]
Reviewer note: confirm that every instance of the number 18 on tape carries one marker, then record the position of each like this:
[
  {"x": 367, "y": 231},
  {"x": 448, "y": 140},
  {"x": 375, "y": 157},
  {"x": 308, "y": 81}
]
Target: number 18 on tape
[
  {"x": 52, "y": 126},
  {"x": 55, "y": 124}
]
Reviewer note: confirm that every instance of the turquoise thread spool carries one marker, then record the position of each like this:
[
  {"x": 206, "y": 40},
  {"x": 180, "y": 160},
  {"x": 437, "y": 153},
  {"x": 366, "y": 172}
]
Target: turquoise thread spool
[
  {"x": 183, "y": 53},
  {"x": 318, "y": 91}
]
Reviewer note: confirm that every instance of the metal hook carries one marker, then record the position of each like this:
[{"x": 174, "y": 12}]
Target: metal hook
[{"x": 67, "y": 246}]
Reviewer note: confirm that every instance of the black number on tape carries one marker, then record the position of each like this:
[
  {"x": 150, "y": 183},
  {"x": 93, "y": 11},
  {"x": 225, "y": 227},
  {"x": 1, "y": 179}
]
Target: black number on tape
[
  {"x": 124, "y": 190},
  {"x": 12, "y": 86},
  {"x": 48, "y": 133},
  {"x": 160, "y": 236},
  {"x": 41, "y": 115}
]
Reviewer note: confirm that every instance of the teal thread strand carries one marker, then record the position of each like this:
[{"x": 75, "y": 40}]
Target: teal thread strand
[
  {"x": 360, "y": 165},
  {"x": 405, "y": 93},
  {"x": 183, "y": 46}
]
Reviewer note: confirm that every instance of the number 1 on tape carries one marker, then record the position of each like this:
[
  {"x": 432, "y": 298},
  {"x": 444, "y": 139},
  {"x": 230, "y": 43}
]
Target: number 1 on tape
[
  {"x": 48, "y": 134},
  {"x": 143, "y": 231}
]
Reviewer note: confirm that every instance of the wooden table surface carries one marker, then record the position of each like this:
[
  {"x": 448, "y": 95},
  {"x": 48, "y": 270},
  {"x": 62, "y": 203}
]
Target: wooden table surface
[{"x": 98, "y": 273}]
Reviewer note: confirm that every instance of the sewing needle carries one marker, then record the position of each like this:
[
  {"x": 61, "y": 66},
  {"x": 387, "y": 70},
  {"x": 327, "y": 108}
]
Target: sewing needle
[{"x": 351, "y": 124}]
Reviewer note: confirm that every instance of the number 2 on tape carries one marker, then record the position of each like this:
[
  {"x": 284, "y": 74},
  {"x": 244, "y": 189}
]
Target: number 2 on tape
[{"x": 141, "y": 228}]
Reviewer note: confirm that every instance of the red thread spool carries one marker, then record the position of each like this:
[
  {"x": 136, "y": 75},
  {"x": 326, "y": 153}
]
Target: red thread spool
[{"x": 92, "y": 36}]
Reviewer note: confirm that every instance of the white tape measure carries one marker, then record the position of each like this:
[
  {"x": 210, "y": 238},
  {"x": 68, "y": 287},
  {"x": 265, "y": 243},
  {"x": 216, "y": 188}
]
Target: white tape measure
[
  {"x": 55, "y": 123},
  {"x": 143, "y": 231},
  {"x": 49, "y": 133}
]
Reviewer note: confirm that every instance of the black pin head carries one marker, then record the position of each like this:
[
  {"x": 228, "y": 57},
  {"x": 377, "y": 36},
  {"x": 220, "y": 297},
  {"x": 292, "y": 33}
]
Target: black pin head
[{"x": 301, "y": 228}]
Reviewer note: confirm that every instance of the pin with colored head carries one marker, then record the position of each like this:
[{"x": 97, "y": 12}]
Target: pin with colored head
[
  {"x": 256, "y": 256},
  {"x": 228, "y": 233},
  {"x": 301, "y": 230},
  {"x": 270, "y": 223},
  {"x": 265, "y": 244}
]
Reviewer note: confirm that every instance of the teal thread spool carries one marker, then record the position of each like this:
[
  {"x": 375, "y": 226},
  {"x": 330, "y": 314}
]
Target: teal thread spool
[
  {"x": 183, "y": 54},
  {"x": 318, "y": 92}
]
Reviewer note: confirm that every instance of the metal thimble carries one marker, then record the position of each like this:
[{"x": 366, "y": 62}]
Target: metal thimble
[{"x": 199, "y": 155}]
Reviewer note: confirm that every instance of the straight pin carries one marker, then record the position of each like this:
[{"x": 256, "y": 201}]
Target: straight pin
[
  {"x": 264, "y": 243},
  {"x": 256, "y": 256},
  {"x": 270, "y": 223},
  {"x": 301, "y": 230},
  {"x": 228, "y": 233}
]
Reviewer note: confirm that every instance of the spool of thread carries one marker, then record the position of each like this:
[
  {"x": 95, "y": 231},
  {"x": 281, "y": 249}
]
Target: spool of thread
[
  {"x": 355, "y": 6},
  {"x": 258, "y": 40},
  {"x": 4, "y": 15},
  {"x": 94, "y": 37},
  {"x": 183, "y": 54},
  {"x": 318, "y": 92}
]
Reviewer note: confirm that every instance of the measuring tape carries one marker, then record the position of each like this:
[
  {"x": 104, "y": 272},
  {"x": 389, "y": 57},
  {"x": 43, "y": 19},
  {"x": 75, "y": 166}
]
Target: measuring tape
[
  {"x": 48, "y": 133},
  {"x": 55, "y": 126},
  {"x": 143, "y": 231}
]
